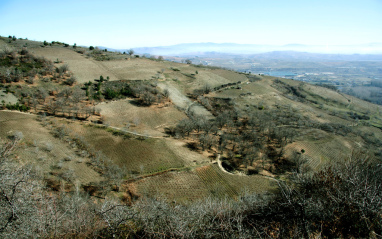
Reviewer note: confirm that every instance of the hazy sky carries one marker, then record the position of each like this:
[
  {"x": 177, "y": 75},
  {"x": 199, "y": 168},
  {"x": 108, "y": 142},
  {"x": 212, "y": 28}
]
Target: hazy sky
[{"x": 125, "y": 24}]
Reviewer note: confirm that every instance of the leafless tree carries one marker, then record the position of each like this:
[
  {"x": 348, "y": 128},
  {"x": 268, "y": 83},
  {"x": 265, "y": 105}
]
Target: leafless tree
[{"x": 131, "y": 52}]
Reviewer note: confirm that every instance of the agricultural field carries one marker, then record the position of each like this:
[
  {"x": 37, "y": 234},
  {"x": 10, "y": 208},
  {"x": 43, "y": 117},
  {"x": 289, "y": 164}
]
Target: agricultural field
[
  {"x": 183, "y": 186},
  {"x": 326, "y": 149},
  {"x": 138, "y": 156},
  {"x": 221, "y": 184},
  {"x": 205, "y": 181}
]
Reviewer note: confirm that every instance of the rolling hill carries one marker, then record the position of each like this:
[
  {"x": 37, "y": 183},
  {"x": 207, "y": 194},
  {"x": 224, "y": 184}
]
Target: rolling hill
[
  {"x": 132, "y": 128},
  {"x": 330, "y": 124}
]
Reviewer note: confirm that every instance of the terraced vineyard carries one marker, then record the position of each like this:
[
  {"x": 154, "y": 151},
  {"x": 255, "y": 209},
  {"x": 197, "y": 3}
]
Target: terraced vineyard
[
  {"x": 179, "y": 186},
  {"x": 137, "y": 156},
  {"x": 222, "y": 184},
  {"x": 215, "y": 181},
  {"x": 206, "y": 181},
  {"x": 317, "y": 153}
]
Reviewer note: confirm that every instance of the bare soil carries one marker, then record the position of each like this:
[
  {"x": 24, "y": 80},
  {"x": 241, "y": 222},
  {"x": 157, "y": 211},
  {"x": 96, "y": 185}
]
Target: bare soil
[
  {"x": 183, "y": 102},
  {"x": 7, "y": 97}
]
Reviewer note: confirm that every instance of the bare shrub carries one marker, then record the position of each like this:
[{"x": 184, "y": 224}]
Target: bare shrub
[
  {"x": 71, "y": 81},
  {"x": 49, "y": 146}
]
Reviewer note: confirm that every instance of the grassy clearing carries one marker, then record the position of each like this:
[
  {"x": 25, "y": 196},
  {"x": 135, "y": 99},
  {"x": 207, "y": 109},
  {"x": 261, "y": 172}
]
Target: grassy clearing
[
  {"x": 230, "y": 75},
  {"x": 149, "y": 120},
  {"x": 326, "y": 94},
  {"x": 256, "y": 88},
  {"x": 84, "y": 69},
  {"x": 188, "y": 76},
  {"x": 226, "y": 93},
  {"x": 7, "y": 97},
  {"x": 136, "y": 69}
]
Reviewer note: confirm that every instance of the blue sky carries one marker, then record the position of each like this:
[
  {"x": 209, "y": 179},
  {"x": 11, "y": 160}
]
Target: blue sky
[{"x": 127, "y": 24}]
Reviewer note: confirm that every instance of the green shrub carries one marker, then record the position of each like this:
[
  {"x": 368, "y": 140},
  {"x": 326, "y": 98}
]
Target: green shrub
[{"x": 111, "y": 94}]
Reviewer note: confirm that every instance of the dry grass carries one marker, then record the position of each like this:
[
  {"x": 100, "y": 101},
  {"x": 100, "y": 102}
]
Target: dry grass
[
  {"x": 146, "y": 156},
  {"x": 135, "y": 155},
  {"x": 182, "y": 101},
  {"x": 327, "y": 149},
  {"x": 222, "y": 184},
  {"x": 8, "y": 97},
  {"x": 150, "y": 120},
  {"x": 230, "y": 75},
  {"x": 204, "y": 181},
  {"x": 133, "y": 69},
  {"x": 190, "y": 158},
  {"x": 3, "y": 44},
  {"x": 84, "y": 69},
  {"x": 40, "y": 148},
  {"x": 326, "y": 93}
]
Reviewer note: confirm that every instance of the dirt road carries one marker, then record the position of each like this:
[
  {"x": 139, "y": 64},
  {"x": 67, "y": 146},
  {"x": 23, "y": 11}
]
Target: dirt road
[{"x": 183, "y": 102}]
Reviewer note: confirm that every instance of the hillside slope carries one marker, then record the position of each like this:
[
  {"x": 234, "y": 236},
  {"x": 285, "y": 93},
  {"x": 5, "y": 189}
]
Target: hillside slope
[{"x": 146, "y": 123}]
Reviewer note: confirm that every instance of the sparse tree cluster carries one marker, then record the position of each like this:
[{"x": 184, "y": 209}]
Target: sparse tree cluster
[
  {"x": 62, "y": 101},
  {"x": 146, "y": 93},
  {"x": 21, "y": 65},
  {"x": 243, "y": 140}
]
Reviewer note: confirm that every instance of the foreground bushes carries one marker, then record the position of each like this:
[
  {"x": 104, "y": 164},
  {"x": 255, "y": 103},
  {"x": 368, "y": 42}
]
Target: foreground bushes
[{"x": 342, "y": 200}]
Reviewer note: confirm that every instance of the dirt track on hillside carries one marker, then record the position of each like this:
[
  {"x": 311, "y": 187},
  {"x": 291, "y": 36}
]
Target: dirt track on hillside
[{"x": 183, "y": 102}]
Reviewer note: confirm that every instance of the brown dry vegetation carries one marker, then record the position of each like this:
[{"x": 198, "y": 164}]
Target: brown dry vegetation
[
  {"x": 145, "y": 120},
  {"x": 41, "y": 148},
  {"x": 85, "y": 69},
  {"x": 180, "y": 80},
  {"x": 137, "y": 156},
  {"x": 174, "y": 186},
  {"x": 254, "y": 125},
  {"x": 222, "y": 184}
]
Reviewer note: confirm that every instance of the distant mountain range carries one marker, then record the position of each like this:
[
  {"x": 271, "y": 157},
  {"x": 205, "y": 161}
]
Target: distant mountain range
[
  {"x": 306, "y": 56},
  {"x": 196, "y": 49}
]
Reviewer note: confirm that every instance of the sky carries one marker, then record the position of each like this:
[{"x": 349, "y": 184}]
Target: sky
[{"x": 127, "y": 24}]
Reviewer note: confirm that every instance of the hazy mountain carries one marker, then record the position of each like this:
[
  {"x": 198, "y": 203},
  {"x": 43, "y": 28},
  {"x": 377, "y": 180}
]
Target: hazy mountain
[
  {"x": 233, "y": 48},
  {"x": 306, "y": 56}
]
